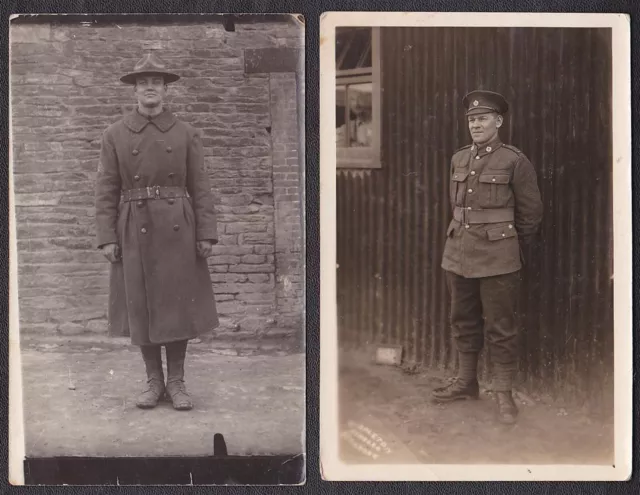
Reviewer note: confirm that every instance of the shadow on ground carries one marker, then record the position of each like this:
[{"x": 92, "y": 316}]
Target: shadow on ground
[
  {"x": 79, "y": 400},
  {"x": 386, "y": 417}
]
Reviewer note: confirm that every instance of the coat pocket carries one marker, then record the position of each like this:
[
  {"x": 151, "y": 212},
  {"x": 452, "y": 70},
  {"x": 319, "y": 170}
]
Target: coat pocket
[
  {"x": 499, "y": 233},
  {"x": 457, "y": 178},
  {"x": 498, "y": 186}
]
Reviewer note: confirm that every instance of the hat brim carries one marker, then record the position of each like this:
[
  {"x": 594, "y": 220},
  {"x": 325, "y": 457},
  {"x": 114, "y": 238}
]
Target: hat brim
[
  {"x": 481, "y": 110},
  {"x": 167, "y": 76}
]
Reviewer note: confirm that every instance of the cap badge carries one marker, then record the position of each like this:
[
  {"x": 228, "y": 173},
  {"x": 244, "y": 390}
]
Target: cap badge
[{"x": 475, "y": 103}]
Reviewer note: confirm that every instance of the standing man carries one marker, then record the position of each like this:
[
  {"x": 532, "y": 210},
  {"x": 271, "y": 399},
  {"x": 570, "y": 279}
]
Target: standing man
[
  {"x": 496, "y": 207},
  {"x": 156, "y": 225}
]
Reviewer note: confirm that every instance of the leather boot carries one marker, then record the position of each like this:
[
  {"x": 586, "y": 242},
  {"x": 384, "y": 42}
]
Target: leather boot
[
  {"x": 507, "y": 409},
  {"x": 458, "y": 389},
  {"x": 176, "y": 390},
  {"x": 152, "y": 356}
]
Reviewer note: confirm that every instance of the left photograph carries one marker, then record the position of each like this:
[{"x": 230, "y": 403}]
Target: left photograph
[{"x": 157, "y": 176}]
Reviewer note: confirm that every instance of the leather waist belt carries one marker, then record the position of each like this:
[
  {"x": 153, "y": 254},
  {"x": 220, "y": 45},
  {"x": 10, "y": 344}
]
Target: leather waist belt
[
  {"x": 154, "y": 192},
  {"x": 495, "y": 215}
]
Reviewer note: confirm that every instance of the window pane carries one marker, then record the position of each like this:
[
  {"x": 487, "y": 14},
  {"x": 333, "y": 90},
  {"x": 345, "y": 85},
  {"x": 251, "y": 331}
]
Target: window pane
[
  {"x": 353, "y": 48},
  {"x": 341, "y": 107},
  {"x": 360, "y": 115}
]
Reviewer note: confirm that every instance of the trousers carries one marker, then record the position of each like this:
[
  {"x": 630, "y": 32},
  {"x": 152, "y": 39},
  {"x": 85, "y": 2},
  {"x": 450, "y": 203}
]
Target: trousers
[{"x": 485, "y": 308}]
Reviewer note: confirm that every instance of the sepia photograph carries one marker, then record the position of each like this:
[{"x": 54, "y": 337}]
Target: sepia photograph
[
  {"x": 157, "y": 188},
  {"x": 476, "y": 249}
]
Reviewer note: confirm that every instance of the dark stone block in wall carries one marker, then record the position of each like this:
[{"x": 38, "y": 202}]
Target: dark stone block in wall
[{"x": 267, "y": 60}]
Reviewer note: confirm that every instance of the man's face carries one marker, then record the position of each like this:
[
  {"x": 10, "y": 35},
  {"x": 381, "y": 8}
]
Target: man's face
[
  {"x": 483, "y": 127},
  {"x": 150, "y": 90}
]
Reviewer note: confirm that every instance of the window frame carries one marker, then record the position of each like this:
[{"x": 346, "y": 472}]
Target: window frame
[{"x": 364, "y": 158}]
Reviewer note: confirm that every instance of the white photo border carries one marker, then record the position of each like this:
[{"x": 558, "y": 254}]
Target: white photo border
[{"x": 330, "y": 465}]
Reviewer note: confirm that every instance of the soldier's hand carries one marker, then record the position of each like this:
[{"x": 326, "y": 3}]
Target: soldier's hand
[
  {"x": 111, "y": 252},
  {"x": 204, "y": 249}
]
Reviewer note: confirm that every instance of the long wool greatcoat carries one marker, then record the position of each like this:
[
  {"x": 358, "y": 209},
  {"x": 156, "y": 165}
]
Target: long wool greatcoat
[
  {"x": 160, "y": 291},
  {"x": 493, "y": 177}
]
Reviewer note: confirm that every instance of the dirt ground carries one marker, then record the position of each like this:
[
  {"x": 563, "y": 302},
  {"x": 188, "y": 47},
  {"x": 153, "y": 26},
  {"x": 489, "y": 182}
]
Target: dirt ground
[
  {"x": 79, "y": 400},
  {"x": 386, "y": 416}
]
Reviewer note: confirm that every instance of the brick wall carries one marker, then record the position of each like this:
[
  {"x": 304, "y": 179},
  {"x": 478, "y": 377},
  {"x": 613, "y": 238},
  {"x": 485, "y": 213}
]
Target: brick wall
[{"x": 65, "y": 91}]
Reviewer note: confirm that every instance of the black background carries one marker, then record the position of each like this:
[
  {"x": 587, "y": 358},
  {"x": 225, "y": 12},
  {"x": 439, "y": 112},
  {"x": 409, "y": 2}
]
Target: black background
[{"x": 311, "y": 11}]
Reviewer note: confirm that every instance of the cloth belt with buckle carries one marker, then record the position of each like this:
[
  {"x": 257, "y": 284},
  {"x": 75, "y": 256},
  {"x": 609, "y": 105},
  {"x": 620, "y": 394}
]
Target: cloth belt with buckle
[
  {"x": 494, "y": 215},
  {"x": 154, "y": 192}
]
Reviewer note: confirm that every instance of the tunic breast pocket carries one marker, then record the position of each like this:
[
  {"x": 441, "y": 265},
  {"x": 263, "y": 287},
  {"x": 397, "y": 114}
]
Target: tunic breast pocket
[
  {"x": 458, "y": 180},
  {"x": 494, "y": 190}
]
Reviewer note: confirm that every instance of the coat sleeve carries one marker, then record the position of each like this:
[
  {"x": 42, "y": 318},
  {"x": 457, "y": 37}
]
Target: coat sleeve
[
  {"x": 528, "y": 204},
  {"x": 108, "y": 185},
  {"x": 199, "y": 189},
  {"x": 452, "y": 199}
]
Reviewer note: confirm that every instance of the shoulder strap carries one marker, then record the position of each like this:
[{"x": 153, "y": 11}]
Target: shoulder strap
[
  {"x": 463, "y": 148},
  {"x": 512, "y": 148}
]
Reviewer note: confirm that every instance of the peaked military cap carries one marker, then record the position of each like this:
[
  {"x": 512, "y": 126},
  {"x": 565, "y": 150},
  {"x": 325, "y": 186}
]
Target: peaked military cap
[
  {"x": 480, "y": 101},
  {"x": 150, "y": 64}
]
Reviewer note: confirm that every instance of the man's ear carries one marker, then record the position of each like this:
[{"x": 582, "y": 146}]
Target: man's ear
[{"x": 500, "y": 120}]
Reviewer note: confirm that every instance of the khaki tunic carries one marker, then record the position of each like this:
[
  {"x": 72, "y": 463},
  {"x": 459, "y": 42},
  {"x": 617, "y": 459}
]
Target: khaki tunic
[
  {"x": 161, "y": 290},
  {"x": 488, "y": 182}
]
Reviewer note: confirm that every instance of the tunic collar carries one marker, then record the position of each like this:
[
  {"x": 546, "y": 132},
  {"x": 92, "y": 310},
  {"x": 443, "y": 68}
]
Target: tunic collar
[
  {"x": 136, "y": 121},
  {"x": 486, "y": 148}
]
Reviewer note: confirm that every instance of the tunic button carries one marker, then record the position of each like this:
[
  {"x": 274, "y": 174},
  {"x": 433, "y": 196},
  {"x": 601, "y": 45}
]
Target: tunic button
[
  {"x": 466, "y": 226},
  {"x": 493, "y": 180},
  {"x": 468, "y": 207},
  {"x": 171, "y": 201},
  {"x": 503, "y": 234},
  {"x": 510, "y": 226},
  {"x": 169, "y": 149},
  {"x": 470, "y": 190},
  {"x": 478, "y": 157},
  {"x": 135, "y": 152},
  {"x": 140, "y": 203},
  {"x": 488, "y": 149},
  {"x": 137, "y": 177},
  {"x": 176, "y": 227},
  {"x": 143, "y": 230},
  {"x": 473, "y": 172}
]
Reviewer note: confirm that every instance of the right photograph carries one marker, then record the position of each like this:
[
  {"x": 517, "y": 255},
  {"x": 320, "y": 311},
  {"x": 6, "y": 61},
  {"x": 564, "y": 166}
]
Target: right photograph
[{"x": 480, "y": 187}]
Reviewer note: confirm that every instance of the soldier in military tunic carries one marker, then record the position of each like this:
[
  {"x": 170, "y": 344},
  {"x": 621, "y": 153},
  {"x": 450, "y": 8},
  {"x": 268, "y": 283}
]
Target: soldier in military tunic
[
  {"x": 156, "y": 225},
  {"x": 496, "y": 209}
]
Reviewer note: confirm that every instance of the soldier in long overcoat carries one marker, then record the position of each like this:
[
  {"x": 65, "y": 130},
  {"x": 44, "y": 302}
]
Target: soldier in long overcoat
[
  {"x": 496, "y": 208},
  {"x": 156, "y": 225}
]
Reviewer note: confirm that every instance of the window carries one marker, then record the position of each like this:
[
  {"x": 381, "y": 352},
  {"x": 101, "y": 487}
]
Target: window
[{"x": 358, "y": 97}]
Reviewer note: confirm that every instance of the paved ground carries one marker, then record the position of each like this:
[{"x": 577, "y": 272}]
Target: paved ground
[
  {"x": 79, "y": 400},
  {"x": 386, "y": 416}
]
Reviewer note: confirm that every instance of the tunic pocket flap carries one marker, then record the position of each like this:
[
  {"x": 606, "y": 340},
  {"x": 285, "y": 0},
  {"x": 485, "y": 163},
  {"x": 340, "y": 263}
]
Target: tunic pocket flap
[
  {"x": 500, "y": 233},
  {"x": 494, "y": 178},
  {"x": 459, "y": 176}
]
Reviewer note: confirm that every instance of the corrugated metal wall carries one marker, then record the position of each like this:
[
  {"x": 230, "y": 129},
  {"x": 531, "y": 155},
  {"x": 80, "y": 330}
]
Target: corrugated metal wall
[{"x": 392, "y": 221}]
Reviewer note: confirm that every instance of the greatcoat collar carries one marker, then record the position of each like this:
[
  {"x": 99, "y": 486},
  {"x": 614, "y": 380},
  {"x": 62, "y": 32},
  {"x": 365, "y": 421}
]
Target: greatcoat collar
[{"x": 136, "y": 121}]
